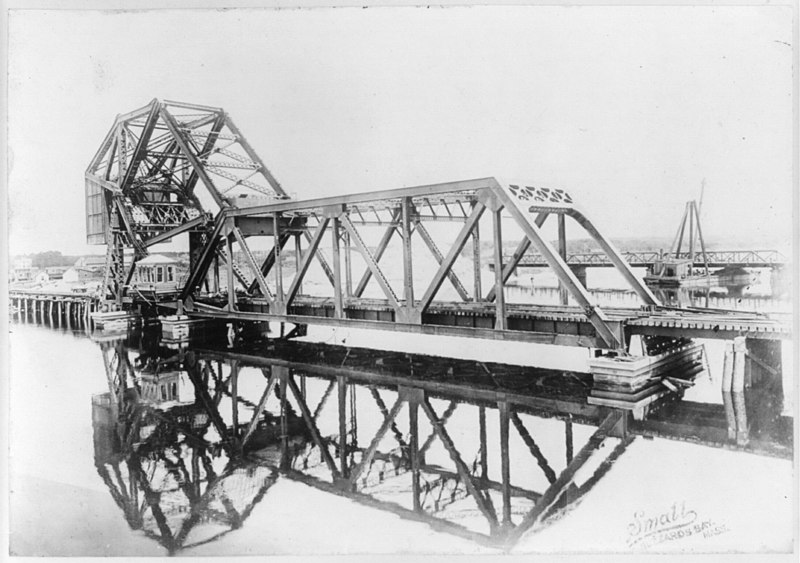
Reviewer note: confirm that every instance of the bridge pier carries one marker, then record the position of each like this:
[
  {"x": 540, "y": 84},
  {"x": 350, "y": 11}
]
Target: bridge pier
[
  {"x": 752, "y": 387},
  {"x": 764, "y": 377}
]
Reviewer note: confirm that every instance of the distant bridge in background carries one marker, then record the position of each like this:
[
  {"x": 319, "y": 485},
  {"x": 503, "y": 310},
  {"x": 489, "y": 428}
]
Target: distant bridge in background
[{"x": 716, "y": 259}]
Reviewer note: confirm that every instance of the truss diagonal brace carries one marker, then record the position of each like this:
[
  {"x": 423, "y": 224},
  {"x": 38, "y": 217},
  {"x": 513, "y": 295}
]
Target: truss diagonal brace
[
  {"x": 262, "y": 283},
  {"x": 373, "y": 266},
  {"x": 257, "y": 159},
  {"x": 202, "y": 264},
  {"x": 141, "y": 148},
  {"x": 379, "y": 250},
  {"x": 616, "y": 258},
  {"x": 269, "y": 262},
  {"x": 522, "y": 248},
  {"x": 451, "y": 275},
  {"x": 172, "y": 125},
  {"x": 219, "y": 121},
  {"x": 305, "y": 262},
  {"x": 455, "y": 250},
  {"x": 322, "y": 261},
  {"x": 593, "y": 312}
]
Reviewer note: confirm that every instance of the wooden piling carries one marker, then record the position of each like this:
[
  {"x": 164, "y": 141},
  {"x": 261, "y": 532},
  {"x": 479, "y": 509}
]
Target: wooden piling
[
  {"x": 235, "y": 397},
  {"x": 505, "y": 468}
]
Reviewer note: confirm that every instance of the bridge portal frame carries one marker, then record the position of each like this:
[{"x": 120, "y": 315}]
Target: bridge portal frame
[{"x": 404, "y": 211}]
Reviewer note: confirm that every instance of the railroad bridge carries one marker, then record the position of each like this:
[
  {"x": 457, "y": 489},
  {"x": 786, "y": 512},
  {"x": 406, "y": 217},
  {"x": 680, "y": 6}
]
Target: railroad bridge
[
  {"x": 173, "y": 169},
  {"x": 646, "y": 259}
]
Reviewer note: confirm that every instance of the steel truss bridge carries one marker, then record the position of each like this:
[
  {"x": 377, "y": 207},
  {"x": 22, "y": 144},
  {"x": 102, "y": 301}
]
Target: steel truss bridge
[
  {"x": 378, "y": 431},
  {"x": 715, "y": 259},
  {"x": 171, "y": 168}
]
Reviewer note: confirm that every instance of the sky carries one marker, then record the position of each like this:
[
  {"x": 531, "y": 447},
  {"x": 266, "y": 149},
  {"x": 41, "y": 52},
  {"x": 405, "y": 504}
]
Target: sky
[{"x": 628, "y": 108}]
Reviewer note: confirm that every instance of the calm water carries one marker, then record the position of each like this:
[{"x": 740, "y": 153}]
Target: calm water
[{"x": 123, "y": 446}]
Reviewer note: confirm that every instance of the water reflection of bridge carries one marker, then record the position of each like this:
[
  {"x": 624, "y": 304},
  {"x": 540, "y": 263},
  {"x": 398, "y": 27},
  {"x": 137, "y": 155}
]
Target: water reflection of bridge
[{"x": 410, "y": 434}]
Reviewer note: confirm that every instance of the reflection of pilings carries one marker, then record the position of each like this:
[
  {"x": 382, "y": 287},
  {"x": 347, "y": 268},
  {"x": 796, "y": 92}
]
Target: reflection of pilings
[
  {"x": 413, "y": 428},
  {"x": 740, "y": 355},
  {"x": 733, "y": 384},
  {"x": 505, "y": 463},
  {"x": 568, "y": 438}
]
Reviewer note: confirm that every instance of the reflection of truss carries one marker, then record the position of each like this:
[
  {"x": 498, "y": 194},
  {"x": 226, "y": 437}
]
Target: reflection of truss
[
  {"x": 178, "y": 473},
  {"x": 172, "y": 479},
  {"x": 387, "y": 432},
  {"x": 438, "y": 493},
  {"x": 175, "y": 495}
]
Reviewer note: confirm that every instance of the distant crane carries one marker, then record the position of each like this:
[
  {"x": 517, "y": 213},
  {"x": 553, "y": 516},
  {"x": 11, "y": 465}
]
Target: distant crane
[{"x": 691, "y": 214}]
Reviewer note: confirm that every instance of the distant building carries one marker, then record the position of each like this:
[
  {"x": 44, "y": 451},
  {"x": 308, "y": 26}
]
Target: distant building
[
  {"x": 41, "y": 277},
  {"x": 23, "y": 270},
  {"x": 86, "y": 268},
  {"x": 92, "y": 263},
  {"x": 78, "y": 275},
  {"x": 56, "y": 272},
  {"x": 156, "y": 269}
]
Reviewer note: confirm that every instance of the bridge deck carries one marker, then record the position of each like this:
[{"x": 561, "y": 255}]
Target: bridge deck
[{"x": 554, "y": 324}]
